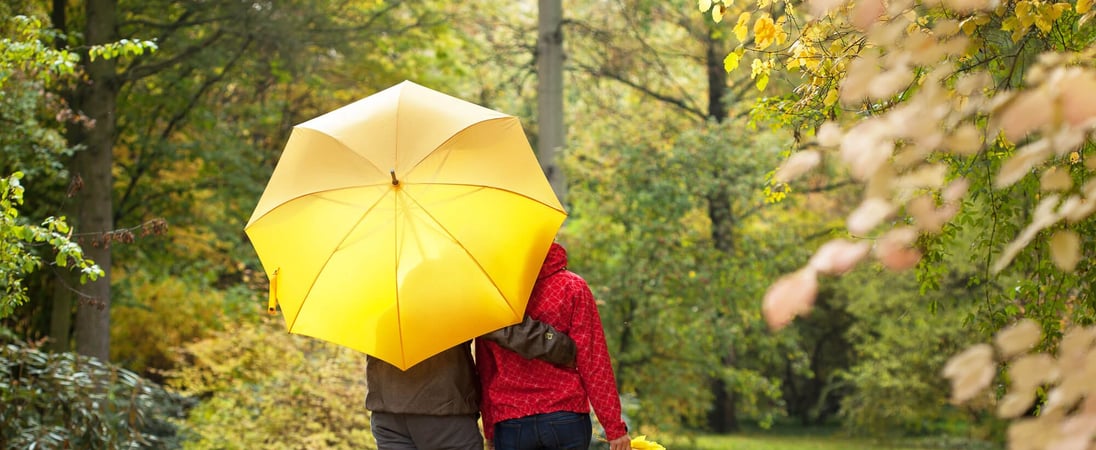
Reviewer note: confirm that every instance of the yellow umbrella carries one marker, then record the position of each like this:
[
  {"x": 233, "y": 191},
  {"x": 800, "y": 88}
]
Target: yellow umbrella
[{"x": 404, "y": 223}]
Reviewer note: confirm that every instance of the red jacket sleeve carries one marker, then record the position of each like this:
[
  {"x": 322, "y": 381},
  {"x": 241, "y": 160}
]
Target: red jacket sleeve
[{"x": 593, "y": 362}]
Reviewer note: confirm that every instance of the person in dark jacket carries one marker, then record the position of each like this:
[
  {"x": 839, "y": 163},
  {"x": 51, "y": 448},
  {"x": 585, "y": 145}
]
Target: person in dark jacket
[{"x": 434, "y": 405}]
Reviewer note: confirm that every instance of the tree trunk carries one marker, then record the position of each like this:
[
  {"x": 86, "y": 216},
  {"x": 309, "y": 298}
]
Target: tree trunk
[
  {"x": 717, "y": 77},
  {"x": 96, "y": 99},
  {"x": 550, "y": 139},
  {"x": 723, "y": 417},
  {"x": 60, "y": 324}
]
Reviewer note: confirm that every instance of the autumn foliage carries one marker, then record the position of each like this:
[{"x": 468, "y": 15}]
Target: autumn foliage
[{"x": 915, "y": 94}]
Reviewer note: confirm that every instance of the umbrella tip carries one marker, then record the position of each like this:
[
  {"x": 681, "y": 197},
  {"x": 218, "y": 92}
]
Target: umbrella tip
[{"x": 395, "y": 182}]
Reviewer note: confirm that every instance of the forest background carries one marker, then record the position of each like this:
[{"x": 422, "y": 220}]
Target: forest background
[{"x": 934, "y": 154}]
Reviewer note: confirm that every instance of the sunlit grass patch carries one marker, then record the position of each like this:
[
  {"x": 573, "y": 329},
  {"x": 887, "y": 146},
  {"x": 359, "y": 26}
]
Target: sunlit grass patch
[{"x": 776, "y": 442}]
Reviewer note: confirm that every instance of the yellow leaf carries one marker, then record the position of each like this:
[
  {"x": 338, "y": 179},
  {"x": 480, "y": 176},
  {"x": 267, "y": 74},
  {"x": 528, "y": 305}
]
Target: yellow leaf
[
  {"x": 1083, "y": 6},
  {"x": 762, "y": 81},
  {"x": 1018, "y": 34},
  {"x": 717, "y": 13},
  {"x": 1057, "y": 9},
  {"x": 1044, "y": 23},
  {"x": 764, "y": 32},
  {"x": 704, "y": 5},
  {"x": 740, "y": 30},
  {"x": 831, "y": 98},
  {"x": 730, "y": 63},
  {"x": 756, "y": 68},
  {"x": 1026, "y": 12}
]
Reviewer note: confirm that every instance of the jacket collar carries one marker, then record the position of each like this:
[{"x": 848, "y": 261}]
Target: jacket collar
[{"x": 556, "y": 261}]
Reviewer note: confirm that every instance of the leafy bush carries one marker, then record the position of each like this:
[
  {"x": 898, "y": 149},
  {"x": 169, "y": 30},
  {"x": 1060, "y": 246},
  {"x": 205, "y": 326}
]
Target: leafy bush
[
  {"x": 154, "y": 313},
  {"x": 17, "y": 257},
  {"x": 264, "y": 388},
  {"x": 63, "y": 400},
  {"x": 901, "y": 344}
]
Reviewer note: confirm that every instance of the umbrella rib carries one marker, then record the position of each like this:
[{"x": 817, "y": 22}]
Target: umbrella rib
[
  {"x": 452, "y": 136},
  {"x": 347, "y": 147},
  {"x": 338, "y": 243},
  {"x": 461, "y": 245},
  {"x": 396, "y": 244},
  {"x": 496, "y": 188},
  {"x": 396, "y": 248},
  {"x": 255, "y": 220}
]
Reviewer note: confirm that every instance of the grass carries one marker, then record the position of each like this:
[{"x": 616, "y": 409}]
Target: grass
[
  {"x": 817, "y": 440},
  {"x": 775, "y": 442}
]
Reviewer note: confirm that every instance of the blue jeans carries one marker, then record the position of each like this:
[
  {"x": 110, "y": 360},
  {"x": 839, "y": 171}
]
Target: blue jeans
[{"x": 561, "y": 430}]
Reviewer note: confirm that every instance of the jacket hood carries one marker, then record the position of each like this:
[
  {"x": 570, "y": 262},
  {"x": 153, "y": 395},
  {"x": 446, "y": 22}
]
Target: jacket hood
[{"x": 555, "y": 261}]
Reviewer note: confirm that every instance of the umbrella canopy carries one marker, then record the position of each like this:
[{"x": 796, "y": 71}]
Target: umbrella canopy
[{"x": 404, "y": 223}]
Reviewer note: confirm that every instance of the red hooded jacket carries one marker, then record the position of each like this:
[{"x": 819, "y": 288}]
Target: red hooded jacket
[{"x": 515, "y": 387}]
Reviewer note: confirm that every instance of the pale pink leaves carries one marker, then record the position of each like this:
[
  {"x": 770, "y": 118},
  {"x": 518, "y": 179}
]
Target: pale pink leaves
[
  {"x": 895, "y": 249},
  {"x": 838, "y": 256},
  {"x": 797, "y": 164},
  {"x": 1043, "y": 217},
  {"x": 1078, "y": 99},
  {"x": 868, "y": 215},
  {"x": 1025, "y": 113},
  {"x": 1065, "y": 249},
  {"x": 970, "y": 372},
  {"x": 1018, "y": 338},
  {"x": 792, "y": 295}
]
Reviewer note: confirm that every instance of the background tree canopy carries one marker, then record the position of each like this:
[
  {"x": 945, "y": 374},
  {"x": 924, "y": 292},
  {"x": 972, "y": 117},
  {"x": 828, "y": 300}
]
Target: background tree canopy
[{"x": 790, "y": 213}]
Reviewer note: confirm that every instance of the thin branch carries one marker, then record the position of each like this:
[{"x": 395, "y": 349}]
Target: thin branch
[
  {"x": 676, "y": 102},
  {"x": 144, "y": 70}
]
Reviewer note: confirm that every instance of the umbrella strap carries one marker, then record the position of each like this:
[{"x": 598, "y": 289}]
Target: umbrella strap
[{"x": 272, "y": 307}]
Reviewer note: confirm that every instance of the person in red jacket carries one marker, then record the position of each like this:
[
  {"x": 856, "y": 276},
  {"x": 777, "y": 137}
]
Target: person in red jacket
[{"x": 530, "y": 404}]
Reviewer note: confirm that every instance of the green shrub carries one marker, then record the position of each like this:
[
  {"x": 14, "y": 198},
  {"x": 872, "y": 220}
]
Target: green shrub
[
  {"x": 63, "y": 400},
  {"x": 156, "y": 313},
  {"x": 261, "y": 387}
]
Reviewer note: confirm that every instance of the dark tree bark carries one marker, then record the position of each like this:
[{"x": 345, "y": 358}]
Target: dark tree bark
[
  {"x": 723, "y": 417},
  {"x": 95, "y": 97},
  {"x": 551, "y": 135}
]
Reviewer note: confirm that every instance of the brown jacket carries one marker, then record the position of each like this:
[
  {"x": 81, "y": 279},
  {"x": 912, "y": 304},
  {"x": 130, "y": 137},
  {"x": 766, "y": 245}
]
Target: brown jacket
[{"x": 447, "y": 383}]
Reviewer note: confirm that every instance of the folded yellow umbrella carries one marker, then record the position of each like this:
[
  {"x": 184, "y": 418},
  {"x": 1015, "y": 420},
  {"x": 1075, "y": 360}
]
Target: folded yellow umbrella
[{"x": 404, "y": 223}]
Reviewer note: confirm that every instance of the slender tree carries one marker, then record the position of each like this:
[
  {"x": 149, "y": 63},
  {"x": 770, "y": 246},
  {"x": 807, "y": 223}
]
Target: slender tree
[
  {"x": 552, "y": 136},
  {"x": 91, "y": 169}
]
